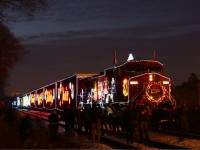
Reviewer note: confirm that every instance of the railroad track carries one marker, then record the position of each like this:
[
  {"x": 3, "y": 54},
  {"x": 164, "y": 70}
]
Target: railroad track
[
  {"x": 116, "y": 140},
  {"x": 151, "y": 144},
  {"x": 191, "y": 135}
]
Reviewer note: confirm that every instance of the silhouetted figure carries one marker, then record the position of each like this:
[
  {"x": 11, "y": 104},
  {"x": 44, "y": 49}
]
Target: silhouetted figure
[
  {"x": 116, "y": 118},
  {"x": 128, "y": 119},
  {"x": 104, "y": 121},
  {"x": 68, "y": 117},
  {"x": 79, "y": 119},
  {"x": 87, "y": 121},
  {"x": 110, "y": 115},
  {"x": 143, "y": 119},
  {"x": 95, "y": 113},
  {"x": 53, "y": 124},
  {"x": 155, "y": 118}
]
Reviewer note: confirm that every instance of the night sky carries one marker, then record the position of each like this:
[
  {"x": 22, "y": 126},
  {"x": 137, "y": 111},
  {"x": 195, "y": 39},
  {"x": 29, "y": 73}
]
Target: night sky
[{"x": 80, "y": 36}]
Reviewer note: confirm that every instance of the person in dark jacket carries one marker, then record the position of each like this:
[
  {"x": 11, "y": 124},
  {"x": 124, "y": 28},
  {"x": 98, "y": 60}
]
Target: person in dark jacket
[
  {"x": 128, "y": 119},
  {"x": 95, "y": 114},
  {"x": 53, "y": 124},
  {"x": 68, "y": 117},
  {"x": 87, "y": 120},
  {"x": 143, "y": 118}
]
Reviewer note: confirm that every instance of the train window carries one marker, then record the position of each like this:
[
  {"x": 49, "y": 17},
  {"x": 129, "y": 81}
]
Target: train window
[
  {"x": 133, "y": 69},
  {"x": 154, "y": 69}
]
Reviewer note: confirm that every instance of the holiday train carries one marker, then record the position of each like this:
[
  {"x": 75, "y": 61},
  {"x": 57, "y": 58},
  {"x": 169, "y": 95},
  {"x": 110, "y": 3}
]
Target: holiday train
[{"x": 125, "y": 83}]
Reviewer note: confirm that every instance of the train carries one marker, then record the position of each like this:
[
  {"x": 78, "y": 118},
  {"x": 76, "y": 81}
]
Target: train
[{"x": 123, "y": 84}]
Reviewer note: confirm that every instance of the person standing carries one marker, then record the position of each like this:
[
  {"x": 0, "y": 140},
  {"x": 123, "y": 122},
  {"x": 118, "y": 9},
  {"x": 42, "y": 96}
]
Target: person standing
[
  {"x": 155, "y": 118},
  {"x": 110, "y": 115},
  {"x": 143, "y": 118},
  {"x": 69, "y": 119},
  {"x": 104, "y": 121},
  {"x": 87, "y": 121},
  {"x": 128, "y": 119},
  {"x": 53, "y": 124},
  {"x": 95, "y": 113}
]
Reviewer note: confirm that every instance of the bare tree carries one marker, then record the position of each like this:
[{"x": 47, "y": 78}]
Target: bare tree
[{"x": 11, "y": 49}]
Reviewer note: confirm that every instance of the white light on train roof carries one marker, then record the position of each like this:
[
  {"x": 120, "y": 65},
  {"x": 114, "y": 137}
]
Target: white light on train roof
[{"x": 130, "y": 57}]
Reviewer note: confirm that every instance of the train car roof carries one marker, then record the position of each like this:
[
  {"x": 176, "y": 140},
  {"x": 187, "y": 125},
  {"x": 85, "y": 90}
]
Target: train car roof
[
  {"x": 78, "y": 75},
  {"x": 85, "y": 75},
  {"x": 144, "y": 62}
]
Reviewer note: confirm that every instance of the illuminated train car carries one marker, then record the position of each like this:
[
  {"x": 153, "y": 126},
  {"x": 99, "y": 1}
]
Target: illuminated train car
[
  {"x": 56, "y": 95},
  {"x": 123, "y": 83},
  {"x": 127, "y": 83}
]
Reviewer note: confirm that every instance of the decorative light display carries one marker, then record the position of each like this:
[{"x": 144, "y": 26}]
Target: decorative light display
[
  {"x": 113, "y": 87},
  {"x": 125, "y": 87},
  {"x": 95, "y": 91},
  {"x": 26, "y": 101},
  {"x": 65, "y": 94},
  {"x": 59, "y": 91},
  {"x": 81, "y": 95},
  {"x": 130, "y": 57},
  {"x": 18, "y": 101},
  {"x": 137, "y": 61},
  {"x": 71, "y": 87},
  {"x": 92, "y": 94},
  {"x": 49, "y": 96},
  {"x": 33, "y": 98},
  {"x": 39, "y": 98},
  {"x": 105, "y": 87},
  {"x": 100, "y": 88},
  {"x": 155, "y": 92},
  {"x": 102, "y": 91}
]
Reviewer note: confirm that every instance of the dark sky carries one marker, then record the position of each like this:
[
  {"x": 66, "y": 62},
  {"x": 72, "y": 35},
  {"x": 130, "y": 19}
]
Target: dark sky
[{"x": 80, "y": 36}]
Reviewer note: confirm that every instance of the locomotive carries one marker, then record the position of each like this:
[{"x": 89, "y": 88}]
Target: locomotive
[{"x": 124, "y": 84}]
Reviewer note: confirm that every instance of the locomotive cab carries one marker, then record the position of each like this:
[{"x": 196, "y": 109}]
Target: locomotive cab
[{"x": 142, "y": 77}]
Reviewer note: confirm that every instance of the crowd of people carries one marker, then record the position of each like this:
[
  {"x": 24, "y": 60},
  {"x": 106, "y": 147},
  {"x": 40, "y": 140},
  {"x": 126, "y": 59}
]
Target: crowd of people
[
  {"x": 96, "y": 121},
  {"x": 134, "y": 120}
]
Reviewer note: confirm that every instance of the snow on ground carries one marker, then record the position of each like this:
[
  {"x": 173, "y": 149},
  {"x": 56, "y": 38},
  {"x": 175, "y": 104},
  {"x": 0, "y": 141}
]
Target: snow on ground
[{"x": 173, "y": 140}]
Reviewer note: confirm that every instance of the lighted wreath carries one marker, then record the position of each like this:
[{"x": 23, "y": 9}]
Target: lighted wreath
[{"x": 155, "y": 92}]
